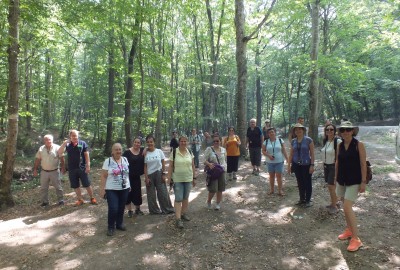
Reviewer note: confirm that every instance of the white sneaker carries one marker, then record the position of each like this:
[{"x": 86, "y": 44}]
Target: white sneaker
[
  {"x": 209, "y": 206},
  {"x": 217, "y": 206}
]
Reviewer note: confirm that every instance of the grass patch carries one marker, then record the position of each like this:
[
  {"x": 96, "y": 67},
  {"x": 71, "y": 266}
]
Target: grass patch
[
  {"x": 17, "y": 185},
  {"x": 384, "y": 169}
]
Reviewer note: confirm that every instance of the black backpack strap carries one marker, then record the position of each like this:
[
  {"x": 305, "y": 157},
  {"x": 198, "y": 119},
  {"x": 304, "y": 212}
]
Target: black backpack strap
[{"x": 173, "y": 159}]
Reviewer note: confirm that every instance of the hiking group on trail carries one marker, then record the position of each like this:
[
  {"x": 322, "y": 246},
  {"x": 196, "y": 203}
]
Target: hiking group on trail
[{"x": 343, "y": 156}]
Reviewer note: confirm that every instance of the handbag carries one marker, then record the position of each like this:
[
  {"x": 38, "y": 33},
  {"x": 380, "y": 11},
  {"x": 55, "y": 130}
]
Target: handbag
[{"x": 216, "y": 171}]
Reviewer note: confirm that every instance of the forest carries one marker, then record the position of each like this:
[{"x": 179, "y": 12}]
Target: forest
[{"x": 112, "y": 68}]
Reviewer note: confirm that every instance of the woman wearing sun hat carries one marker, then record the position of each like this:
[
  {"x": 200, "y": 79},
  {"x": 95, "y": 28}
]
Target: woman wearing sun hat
[
  {"x": 301, "y": 162},
  {"x": 351, "y": 178}
]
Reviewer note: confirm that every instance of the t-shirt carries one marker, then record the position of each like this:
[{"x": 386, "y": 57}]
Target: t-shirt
[
  {"x": 182, "y": 171},
  {"x": 153, "y": 160},
  {"x": 274, "y": 148},
  {"x": 76, "y": 157},
  {"x": 301, "y": 151},
  {"x": 49, "y": 159},
  {"x": 136, "y": 162},
  {"x": 117, "y": 174},
  {"x": 328, "y": 151},
  {"x": 232, "y": 148},
  {"x": 254, "y": 137}
]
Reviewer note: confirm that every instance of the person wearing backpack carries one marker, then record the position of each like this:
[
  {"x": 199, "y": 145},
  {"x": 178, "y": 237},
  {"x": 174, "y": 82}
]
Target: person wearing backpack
[
  {"x": 78, "y": 165},
  {"x": 114, "y": 187},
  {"x": 328, "y": 151},
  {"x": 351, "y": 178},
  {"x": 182, "y": 171},
  {"x": 274, "y": 150}
]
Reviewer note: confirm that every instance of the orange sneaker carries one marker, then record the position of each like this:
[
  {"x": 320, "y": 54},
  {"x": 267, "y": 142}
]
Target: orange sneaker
[
  {"x": 93, "y": 201},
  {"x": 79, "y": 202},
  {"x": 346, "y": 234},
  {"x": 354, "y": 244}
]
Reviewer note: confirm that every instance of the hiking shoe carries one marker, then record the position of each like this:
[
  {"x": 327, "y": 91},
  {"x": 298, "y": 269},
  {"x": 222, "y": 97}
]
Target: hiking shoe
[
  {"x": 130, "y": 213},
  {"x": 254, "y": 172},
  {"x": 121, "y": 228},
  {"x": 179, "y": 223},
  {"x": 234, "y": 177},
  {"x": 79, "y": 202},
  {"x": 44, "y": 204},
  {"x": 209, "y": 206},
  {"x": 300, "y": 203},
  {"x": 308, "y": 204},
  {"x": 185, "y": 217},
  {"x": 61, "y": 203},
  {"x": 217, "y": 207},
  {"x": 354, "y": 244},
  {"x": 333, "y": 210},
  {"x": 110, "y": 232},
  {"x": 346, "y": 234},
  {"x": 139, "y": 212},
  {"x": 93, "y": 201}
]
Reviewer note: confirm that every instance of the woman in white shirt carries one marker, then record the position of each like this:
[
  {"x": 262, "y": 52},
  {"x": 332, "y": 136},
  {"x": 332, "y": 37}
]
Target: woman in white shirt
[
  {"x": 329, "y": 158},
  {"x": 115, "y": 187},
  {"x": 213, "y": 155},
  {"x": 155, "y": 178}
]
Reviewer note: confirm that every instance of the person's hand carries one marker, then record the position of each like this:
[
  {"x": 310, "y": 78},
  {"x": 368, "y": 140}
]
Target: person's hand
[
  {"x": 63, "y": 171},
  {"x": 35, "y": 174},
  {"x": 102, "y": 193},
  {"x": 210, "y": 165},
  {"x": 311, "y": 171},
  {"x": 87, "y": 170},
  {"x": 271, "y": 157},
  {"x": 289, "y": 171},
  {"x": 194, "y": 182},
  {"x": 147, "y": 181}
]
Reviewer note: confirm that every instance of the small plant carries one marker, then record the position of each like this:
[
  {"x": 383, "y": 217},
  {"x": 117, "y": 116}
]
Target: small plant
[{"x": 384, "y": 169}]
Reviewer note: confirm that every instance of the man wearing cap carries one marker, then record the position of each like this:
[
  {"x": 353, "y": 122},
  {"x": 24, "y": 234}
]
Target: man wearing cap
[
  {"x": 255, "y": 139},
  {"x": 48, "y": 158}
]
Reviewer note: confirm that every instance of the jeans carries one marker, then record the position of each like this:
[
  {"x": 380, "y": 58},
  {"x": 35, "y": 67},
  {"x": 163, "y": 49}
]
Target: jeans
[
  {"x": 116, "y": 200},
  {"x": 304, "y": 183},
  {"x": 196, "y": 155}
]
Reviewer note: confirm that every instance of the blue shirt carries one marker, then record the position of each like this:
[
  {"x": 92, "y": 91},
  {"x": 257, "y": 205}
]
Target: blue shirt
[
  {"x": 301, "y": 151},
  {"x": 76, "y": 157}
]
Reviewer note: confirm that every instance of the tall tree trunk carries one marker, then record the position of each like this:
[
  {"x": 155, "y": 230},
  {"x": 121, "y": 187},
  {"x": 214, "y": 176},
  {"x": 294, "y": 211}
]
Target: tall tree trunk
[
  {"x": 111, "y": 90},
  {"x": 6, "y": 199},
  {"x": 314, "y": 77},
  {"x": 28, "y": 78},
  {"x": 47, "y": 83},
  {"x": 258, "y": 85}
]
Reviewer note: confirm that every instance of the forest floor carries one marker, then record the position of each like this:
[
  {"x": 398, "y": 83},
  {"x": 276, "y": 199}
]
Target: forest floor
[{"x": 252, "y": 230}]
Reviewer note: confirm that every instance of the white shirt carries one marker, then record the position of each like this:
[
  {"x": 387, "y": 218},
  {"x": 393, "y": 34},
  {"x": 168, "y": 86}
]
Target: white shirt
[
  {"x": 328, "y": 152},
  {"x": 117, "y": 174},
  {"x": 153, "y": 160}
]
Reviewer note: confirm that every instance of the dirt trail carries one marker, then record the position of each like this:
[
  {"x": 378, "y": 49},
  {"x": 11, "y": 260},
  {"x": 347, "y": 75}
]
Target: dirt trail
[{"x": 251, "y": 231}]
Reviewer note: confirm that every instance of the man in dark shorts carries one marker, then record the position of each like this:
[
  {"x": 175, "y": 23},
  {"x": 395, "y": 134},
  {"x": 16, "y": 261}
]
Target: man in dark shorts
[
  {"x": 78, "y": 166},
  {"x": 255, "y": 139}
]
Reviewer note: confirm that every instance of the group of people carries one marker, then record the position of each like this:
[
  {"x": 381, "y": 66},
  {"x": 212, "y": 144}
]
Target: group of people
[{"x": 343, "y": 156}]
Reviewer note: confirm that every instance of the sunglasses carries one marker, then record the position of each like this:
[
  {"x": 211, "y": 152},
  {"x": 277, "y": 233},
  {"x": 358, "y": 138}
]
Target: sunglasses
[
  {"x": 329, "y": 129},
  {"x": 345, "y": 129}
]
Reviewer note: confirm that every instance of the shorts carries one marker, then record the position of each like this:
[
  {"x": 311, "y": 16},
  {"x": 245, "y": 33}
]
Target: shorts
[
  {"x": 255, "y": 156},
  {"x": 329, "y": 173},
  {"x": 275, "y": 167},
  {"x": 349, "y": 193},
  {"x": 75, "y": 175},
  {"x": 182, "y": 190},
  {"x": 217, "y": 185}
]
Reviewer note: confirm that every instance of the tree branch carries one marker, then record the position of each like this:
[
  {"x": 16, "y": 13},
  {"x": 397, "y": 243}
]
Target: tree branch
[{"x": 251, "y": 36}]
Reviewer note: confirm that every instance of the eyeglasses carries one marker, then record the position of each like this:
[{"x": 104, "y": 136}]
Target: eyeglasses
[
  {"x": 216, "y": 141},
  {"x": 329, "y": 129},
  {"x": 345, "y": 129}
]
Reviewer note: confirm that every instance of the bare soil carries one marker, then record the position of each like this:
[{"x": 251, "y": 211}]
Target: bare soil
[{"x": 252, "y": 230}]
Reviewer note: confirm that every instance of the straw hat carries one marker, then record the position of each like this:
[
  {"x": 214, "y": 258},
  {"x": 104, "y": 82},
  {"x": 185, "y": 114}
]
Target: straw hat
[
  {"x": 298, "y": 125},
  {"x": 348, "y": 124}
]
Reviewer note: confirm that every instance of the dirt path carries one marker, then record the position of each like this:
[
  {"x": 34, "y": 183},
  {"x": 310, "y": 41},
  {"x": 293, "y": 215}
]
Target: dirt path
[{"x": 252, "y": 230}]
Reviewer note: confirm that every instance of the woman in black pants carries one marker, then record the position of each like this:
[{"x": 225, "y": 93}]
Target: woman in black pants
[{"x": 136, "y": 169}]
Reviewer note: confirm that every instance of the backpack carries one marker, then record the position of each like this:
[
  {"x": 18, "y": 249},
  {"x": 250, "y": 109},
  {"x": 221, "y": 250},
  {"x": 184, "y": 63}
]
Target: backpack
[{"x": 369, "y": 168}]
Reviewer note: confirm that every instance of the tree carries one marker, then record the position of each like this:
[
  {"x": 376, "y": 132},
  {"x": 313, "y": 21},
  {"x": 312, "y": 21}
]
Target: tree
[{"x": 9, "y": 156}]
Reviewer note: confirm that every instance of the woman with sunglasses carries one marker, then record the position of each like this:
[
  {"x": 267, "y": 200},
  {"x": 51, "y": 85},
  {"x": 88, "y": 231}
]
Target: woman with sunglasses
[
  {"x": 351, "y": 177},
  {"x": 231, "y": 144},
  {"x": 155, "y": 178},
  {"x": 301, "y": 162},
  {"x": 329, "y": 157},
  {"x": 213, "y": 155}
]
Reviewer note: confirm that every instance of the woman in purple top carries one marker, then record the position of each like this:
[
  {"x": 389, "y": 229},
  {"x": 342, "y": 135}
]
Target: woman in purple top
[{"x": 301, "y": 162}]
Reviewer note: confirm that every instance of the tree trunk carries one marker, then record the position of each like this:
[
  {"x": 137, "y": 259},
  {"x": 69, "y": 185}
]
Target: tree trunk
[
  {"x": 110, "y": 108},
  {"x": 314, "y": 77},
  {"x": 28, "y": 78},
  {"x": 258, "y": 85},
  {"x": 7, "y": 169}
]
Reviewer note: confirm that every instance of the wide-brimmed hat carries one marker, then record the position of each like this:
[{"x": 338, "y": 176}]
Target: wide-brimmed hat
[
  {"x": 348, "y": 124},
  {"x": 298, "y": 125}
]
